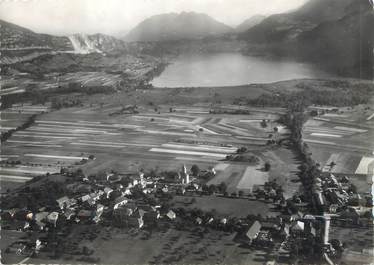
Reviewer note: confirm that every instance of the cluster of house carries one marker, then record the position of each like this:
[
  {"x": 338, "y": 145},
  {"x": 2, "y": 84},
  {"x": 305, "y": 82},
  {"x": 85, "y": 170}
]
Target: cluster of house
[
  {"x": 91, "y": 200},
  {"x": 298, "y": 235},
  {"x": 335, "y": 201},
  {"x": 335, "y": 196},
  {"x": 125, "y": 204}
]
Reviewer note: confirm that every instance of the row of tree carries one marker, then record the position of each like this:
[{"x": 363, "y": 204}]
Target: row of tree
[
  {"x": 345, "y": 95},
  {"x": 30, "y": 121}
]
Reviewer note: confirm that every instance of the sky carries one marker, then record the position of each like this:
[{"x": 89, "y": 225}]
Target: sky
[{"x": 117, "y": 17}]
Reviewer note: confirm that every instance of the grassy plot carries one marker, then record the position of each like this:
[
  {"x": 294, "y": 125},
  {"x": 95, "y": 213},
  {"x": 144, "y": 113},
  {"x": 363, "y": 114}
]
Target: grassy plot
[
  {"x": 224, "y": 206},
  {"x": 252, "y": 177}
]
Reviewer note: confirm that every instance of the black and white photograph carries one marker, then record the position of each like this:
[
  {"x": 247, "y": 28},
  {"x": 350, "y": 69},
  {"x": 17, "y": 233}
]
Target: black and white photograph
[{"x": 187, "y": 132}]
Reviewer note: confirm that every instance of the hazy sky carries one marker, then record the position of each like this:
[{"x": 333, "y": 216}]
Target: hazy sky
[{"x": 118, "y": 16}]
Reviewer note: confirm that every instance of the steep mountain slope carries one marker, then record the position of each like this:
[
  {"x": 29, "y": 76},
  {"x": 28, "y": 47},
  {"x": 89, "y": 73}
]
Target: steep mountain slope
[
  {"x": 249, "y": 23},
  {"x": 19, "y": 44},
  {"x": 336, "y": 34},
  {"x": 99, "y": 43},
  {"x": 346, "y": 43},
  {"x": 282, "y": 27},
  {"x": 16, "y": 37},
  {"x": 173, "y": 26}
]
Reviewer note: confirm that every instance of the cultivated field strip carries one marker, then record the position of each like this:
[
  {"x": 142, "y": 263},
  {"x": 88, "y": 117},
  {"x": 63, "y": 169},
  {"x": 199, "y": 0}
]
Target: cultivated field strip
[
  {"x": 92, "y": 78},
  {"x": 57, "y": 156},
  {"x": 11, "y": 178},
  {"x": 366, "y": 166},
  {"x": 185, "y": 152},
  {"x": 217, "y": 149},
  {"x": 57, "y": 139},
  {"x": 327, "y": 131}
]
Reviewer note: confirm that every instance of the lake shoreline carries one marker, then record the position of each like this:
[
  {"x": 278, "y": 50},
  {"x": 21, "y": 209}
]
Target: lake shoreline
[
  {"x": 231, "y": 69},
  {"x": 263, "y": 84}
]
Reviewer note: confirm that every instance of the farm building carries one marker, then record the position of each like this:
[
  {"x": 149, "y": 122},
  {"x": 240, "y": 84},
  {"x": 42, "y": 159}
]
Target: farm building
[{"x": 249, "y": 234}]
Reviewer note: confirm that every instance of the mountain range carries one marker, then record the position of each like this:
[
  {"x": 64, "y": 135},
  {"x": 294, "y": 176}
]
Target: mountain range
[
  {"x": 336, "y": 34},
  {"x": 249, "y": 23},
  {"x": 174, "y": 26}
]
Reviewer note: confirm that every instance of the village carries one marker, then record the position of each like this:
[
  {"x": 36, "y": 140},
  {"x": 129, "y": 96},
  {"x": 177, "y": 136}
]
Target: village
[{"x": 51, "y": 207}]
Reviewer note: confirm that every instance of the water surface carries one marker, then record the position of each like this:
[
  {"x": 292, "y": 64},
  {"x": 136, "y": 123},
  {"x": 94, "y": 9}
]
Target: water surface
[{"x": 230, "y": 69}]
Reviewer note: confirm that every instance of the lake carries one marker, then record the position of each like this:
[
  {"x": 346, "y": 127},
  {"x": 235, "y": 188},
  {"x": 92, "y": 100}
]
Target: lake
[{"x": 230, "y": 69}]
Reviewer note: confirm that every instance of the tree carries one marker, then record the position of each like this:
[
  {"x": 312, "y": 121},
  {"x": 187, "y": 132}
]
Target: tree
[
  {"x": 241, "y": 193},
  {"x": 222, "y": 187},
  {"x": 264, "y": 124},
  {"x": 241, "y": 150},
  {"x": 212, "y": 189},
  {"x": 267, "y": 166},
  {"x": 195, "y": 170}
]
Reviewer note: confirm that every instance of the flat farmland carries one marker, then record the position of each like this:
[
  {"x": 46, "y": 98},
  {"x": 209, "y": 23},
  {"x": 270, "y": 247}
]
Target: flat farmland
[
  {"x": 147, "y": 140},
  {"x": 344, "y": 138},
  {"x": 341, "y": 143}
]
